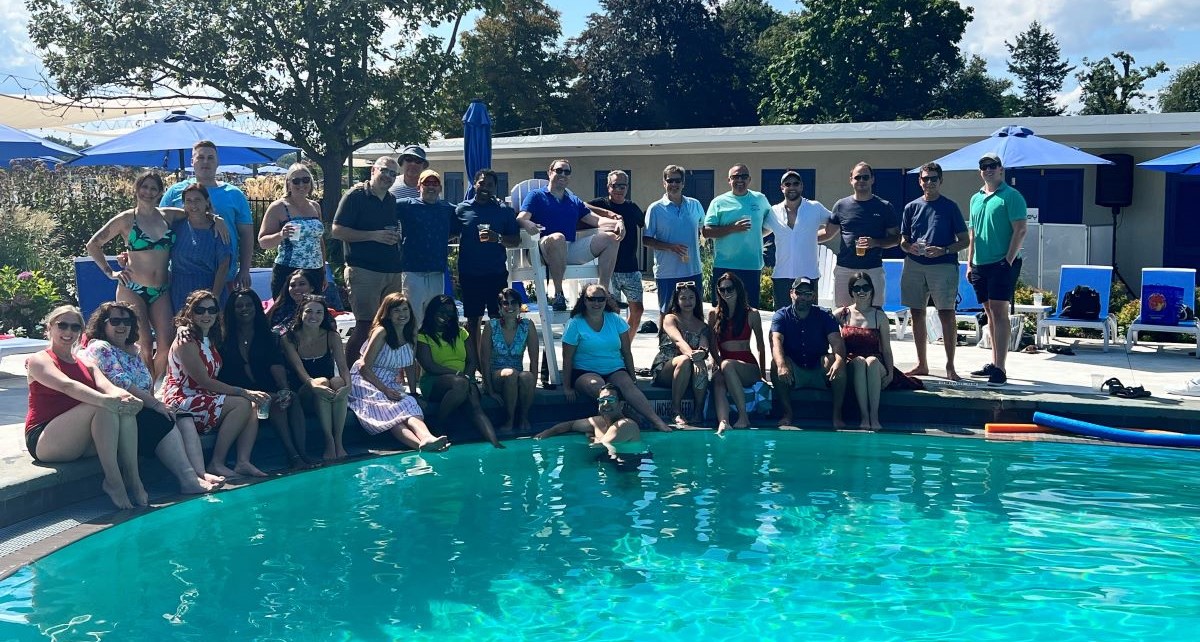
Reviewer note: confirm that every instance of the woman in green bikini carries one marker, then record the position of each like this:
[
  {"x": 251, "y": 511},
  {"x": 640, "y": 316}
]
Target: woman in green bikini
[{"x": 144, "y": 280}]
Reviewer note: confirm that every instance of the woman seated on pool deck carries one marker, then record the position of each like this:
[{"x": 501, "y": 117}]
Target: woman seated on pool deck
[
  {"x": 447, "y": 358},
  {"x": 75, "y": 411},
  {"x": 504, "y": 375},
  {"x": 192, "y": 386},
  {"x": 682, "y": 360},
  {"x": 112, "y": 334},
  {"x": 596, "y": 350},
  {"x": 377, "y": 394},
  {"x": 866, "y": 331},
  {"x": 733, "y": 322},
  {"x": 253, "y": 359},
  {"x": 313, "y": 348}
]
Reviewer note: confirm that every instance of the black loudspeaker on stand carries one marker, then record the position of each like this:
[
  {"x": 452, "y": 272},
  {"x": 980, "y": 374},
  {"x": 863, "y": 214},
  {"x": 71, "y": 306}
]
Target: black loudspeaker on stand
[{"x": 1114, "y": 189}]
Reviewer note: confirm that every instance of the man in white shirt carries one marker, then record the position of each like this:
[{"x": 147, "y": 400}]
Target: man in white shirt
[{"x": 799, "y": 226}]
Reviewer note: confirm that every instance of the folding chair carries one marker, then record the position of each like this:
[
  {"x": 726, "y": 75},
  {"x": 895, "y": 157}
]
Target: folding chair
[
  {"x": 827, "y": 261},
  {"x": 1183, "y": 278},
  {"x": 1097, "y": 277}
]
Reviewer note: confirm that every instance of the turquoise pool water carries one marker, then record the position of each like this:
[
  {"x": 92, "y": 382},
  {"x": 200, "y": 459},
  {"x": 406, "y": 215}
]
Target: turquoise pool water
[{"x": 758, "y": 536}]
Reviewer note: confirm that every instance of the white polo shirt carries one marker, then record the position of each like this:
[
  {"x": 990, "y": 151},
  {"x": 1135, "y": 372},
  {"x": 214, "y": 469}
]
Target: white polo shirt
[{"x": 796, "y": 247}]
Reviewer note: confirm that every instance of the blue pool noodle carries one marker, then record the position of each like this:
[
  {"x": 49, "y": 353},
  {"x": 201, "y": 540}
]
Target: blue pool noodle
[{"x": 1077, "y": 427}]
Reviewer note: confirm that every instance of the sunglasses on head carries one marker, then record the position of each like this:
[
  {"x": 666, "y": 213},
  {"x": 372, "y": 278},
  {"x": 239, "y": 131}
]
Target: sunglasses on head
[
  {"x": 66, "y": 325},
  {"x": 983, "y": 167},
  {"x": 302, "y": 180},
  {"x": 117, "y": 322},
  {"x": 685, "y": 284},
  {"x": 206, "y": 309},
  {"x": 861, "y": 289}
]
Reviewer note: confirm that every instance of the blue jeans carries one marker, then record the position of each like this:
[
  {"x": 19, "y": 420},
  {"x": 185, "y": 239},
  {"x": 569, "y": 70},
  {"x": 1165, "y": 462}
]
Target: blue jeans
[
  {"x": 750, "y": 280},
  {"x": 666, "y": 289}
]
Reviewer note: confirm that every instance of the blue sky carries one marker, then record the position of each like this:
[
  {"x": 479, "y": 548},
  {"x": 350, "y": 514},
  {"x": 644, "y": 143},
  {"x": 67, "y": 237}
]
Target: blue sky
[{"x": 1151, "y": 30}]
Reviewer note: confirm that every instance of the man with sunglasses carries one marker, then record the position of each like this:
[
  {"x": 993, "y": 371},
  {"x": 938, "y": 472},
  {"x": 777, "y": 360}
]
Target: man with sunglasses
[
  {"x": 412, "y": 162},
  {"x": 365, "y": 223},
  {"x": 807, "y": 351},
  {"x": 426, "y": 225},
  {"x": 229, "y": 202},
  {"x": 996, "y": 232},
  {"x": 608, "y": 426},
  {"x": 486, "y": 228},
  {"x": 734, "y": 221},
  {"x": 798, "y": 225},
  {"x": 673, "y": 232},
  {"x": 932, "y": 232},
  {"x": 554, "y": 212},
  {"x": 627, "y": 273},
  {"x": 867, "y": 225}
]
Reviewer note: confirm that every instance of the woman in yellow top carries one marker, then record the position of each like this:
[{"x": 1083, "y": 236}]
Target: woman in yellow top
[{"x": 447, "y": 357}]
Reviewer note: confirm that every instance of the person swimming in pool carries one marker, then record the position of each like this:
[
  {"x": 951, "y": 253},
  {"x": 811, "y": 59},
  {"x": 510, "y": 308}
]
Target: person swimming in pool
[{"x": 610, "y": 428}]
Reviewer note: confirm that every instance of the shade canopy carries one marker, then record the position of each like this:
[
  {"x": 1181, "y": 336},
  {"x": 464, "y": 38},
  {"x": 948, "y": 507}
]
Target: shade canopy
[
  {"x": 167, "y": 145},
  {"x": 15, "y": 144},
  {"x": 1184, "y": 161},
  {"x": 477, "y": 141},
  {"x": 1016, "y": 147}
]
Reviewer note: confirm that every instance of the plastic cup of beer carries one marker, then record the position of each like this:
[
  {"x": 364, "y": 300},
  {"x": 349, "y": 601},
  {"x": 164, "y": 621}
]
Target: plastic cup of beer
[
  {"x": 860, "y": 248},
  {"x": 484, "y": 228},
  {"x": 264, "y": 409},
  {"x": 921, "y": 247}
]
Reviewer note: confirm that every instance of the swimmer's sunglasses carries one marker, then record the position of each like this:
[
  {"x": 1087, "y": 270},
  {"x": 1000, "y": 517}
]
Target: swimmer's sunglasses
[{"x": 608, "y": 399}]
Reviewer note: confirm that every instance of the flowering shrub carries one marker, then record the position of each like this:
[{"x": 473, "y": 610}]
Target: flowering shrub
[{"x": 25, "y": 299}]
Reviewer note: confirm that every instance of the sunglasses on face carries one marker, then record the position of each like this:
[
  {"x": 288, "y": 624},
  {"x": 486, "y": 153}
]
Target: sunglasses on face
[
  {"x": 510, "y": 303},
  {"x": 431, "y": 184},
  {"x": 930, "y": 179},
  {"x": 988, "y": 166},
  {"x": 65, "y": 326},
  {"x": 206, "y": 309},
  {"x": 116, "y": 322},
  {"x": 792, "y": 184},
  {"x": 803, "y": 292},
  {"x": 673, "y": 181},
  {"x": 607, "y": 400},
  {"x": 619, "y": 186},
  {"x": 302, "y": 180},
  {"x": 562, "y": 171},
  {"x": 726, "y": 289},
  {"x": 596, "y": 299},
  {"x": 862, "y": 178},
  {"x": 861, "y": 289},
  {"x": 739, "y": 177}
]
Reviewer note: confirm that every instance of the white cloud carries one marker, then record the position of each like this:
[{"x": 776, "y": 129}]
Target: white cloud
[{"x": 17, "y": 55}]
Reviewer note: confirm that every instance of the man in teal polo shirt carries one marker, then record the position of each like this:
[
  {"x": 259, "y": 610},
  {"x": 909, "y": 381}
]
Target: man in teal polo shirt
[
  {"x": 735, "y": 221},
  {"x": 997, "y": 229}
]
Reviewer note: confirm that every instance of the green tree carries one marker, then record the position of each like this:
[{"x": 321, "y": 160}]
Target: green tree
[
  {"x": 1109, "y": 90},
  {"x": 1183, "y": 92},
  {"x": 745, "y": 22},
  {"x": 512, "y": 59},
  {"x": 975, "y": 94},
  {"x": 334, "y": 76},
  {"x": 658, "y": 64},
  {"x": 867, "y": 60},
  {"x": 1037, "y": 63}
]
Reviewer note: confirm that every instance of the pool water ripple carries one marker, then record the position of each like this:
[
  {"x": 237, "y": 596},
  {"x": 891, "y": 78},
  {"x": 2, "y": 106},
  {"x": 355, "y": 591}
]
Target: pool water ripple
[{"x": 754, "y": 536}]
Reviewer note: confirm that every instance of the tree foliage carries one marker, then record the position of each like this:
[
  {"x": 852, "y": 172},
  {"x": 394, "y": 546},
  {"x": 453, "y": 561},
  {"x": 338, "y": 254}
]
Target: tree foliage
[
  {"x": 1036, "y": 61},
  {"x": 744, "y": 24},
  {"x": 867, "y": 60},
  {"x": 1183, "y": 92},
  {"x": 659, "y": 64},
  {"x": 975, "y": 94},
  {"x": 512, "y": 59},
  {"x": 334, "y": 76},
  {"x": 1109, "y": 90}
]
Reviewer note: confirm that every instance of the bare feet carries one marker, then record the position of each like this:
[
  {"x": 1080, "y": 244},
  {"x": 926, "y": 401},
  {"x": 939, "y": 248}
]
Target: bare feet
[
  {"x": 195, "y": 486},
  {"x": 116, "y": 492},
  {"x": 435, "y": 444},
  {"x": 865, "y": 424},
  {"x": 722, "y": 426},
  {"x": 785, "y": 420},
  {"x": 661, "y": 425},
  {"x": 248, "y": 469},
  {"x": 222, "y": 470},
  {"x": 838, "y": 423},
  {"x": 340, "y": 453},
  {"x": 330, "y": 454},
  {"x": 215, "y": 480},
  {"x": 139, "y": 495},
  {"x": 875, "y": 425},
  {"x": 920, "y": 369},
  {"x": 506, "y": 428},
  {"x": 742, "y": 422},
  {"x": 679, "y": 421},
  {"x": 951, "y": 374}
]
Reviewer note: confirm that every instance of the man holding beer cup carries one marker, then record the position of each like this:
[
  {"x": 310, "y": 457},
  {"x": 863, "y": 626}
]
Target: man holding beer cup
[
  {"x": 867, "y": 224},
  {"x": 735, "y": 223},
  {"x": 488, "y": 227},
  {"x": 673, "y": 232}
]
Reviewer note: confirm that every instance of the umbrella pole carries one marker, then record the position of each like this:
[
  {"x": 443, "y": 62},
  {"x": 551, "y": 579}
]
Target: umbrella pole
[{"x": 1116, "y": 211}]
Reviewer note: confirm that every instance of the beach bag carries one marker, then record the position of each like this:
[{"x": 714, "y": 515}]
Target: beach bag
[
  {"x": 1082, "y": 303},
  {"x": 1163, "y": 305},
  {"x": 758, "y": 402}
]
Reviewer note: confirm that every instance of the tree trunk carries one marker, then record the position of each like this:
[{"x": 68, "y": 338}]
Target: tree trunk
[{"x": 332, "y": 165}]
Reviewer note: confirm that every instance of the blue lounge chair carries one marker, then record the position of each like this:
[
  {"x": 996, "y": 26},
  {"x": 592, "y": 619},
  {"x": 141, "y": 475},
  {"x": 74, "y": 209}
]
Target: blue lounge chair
[
  {"x": 893, "y": 269},
  {"x": 1097, "y": 277},
  {"x": 1183, "y": 278},
  {"x": 92, "y": 285}
]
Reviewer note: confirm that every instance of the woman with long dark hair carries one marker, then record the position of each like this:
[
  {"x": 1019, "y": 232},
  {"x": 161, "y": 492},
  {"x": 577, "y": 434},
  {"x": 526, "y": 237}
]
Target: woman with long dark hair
[
  {"x": 299, "y": 284},
  {"x": 867, "y": 334},
  {"x": 318, "y": 359},
  {"x": 505, "y": 339},
  {"x": 682, "y": 360},
  {"x": 733, "y": 324},
  {"x": 447, "y": 357}
]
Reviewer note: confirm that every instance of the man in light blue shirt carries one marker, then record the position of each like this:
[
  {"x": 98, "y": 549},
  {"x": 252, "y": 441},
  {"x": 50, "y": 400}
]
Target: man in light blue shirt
[
  {"x": 673, "y": 232},
  {"x": 735, "y": 223},
  {"x": 228, "y": 202}
]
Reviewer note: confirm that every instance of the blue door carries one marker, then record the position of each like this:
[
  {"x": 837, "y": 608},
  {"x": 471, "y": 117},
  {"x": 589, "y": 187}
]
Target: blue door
[
  {"x": 1181, "y": 225},
  {"x": 1057, "y": 193},
  {"x": 897, "y": 188},
  {"x": 699, "y": 185}
]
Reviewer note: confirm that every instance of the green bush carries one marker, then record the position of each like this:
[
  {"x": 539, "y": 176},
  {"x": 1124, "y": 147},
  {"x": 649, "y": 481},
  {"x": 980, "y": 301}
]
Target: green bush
[{"x": 25, "y": 299}]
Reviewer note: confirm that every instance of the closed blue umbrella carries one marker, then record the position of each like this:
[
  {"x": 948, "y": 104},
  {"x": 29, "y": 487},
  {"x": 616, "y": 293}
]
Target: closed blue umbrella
[
  {"x": 1184, "y": 161},
  {"x": 1017, "y": 147},
  {"x": 477, "y": 141},
  {"x": 167, "y": 145},
  {"x": 15, "y": 143}
]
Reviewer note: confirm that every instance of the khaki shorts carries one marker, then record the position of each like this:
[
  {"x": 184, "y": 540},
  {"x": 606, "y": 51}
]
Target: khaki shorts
[
  {"x": 420, "y": 288},
  {"x": 816, "y": 378},
  {"x": 919, "y": 283},
  {"x": 841, "y": 285},
  {"x": 367, "y": 289},
  {"x": 579, "y": 251}
]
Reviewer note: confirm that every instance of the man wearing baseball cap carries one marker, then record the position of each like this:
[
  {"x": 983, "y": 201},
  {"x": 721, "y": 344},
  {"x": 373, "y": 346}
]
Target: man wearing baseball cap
[
  {"x": 997, "y": 229},
  {"x": 801, "y": 337},
  {"x": 798, "y": 225},
  {"x": 412, "y": 162},
  {"x": 425, "y": 227}
]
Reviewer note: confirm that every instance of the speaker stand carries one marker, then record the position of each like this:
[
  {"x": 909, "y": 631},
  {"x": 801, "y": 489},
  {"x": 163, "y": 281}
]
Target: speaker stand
[{"x": 1116, "y": 212}]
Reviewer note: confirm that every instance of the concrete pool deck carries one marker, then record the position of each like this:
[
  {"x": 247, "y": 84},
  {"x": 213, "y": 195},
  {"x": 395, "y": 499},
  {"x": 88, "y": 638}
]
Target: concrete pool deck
[{"x": 1037, "y": 382}]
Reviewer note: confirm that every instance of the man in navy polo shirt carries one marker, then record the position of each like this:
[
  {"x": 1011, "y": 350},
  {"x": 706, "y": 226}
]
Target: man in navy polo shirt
[
  {"x": 801, "y": 337},
  {"x": 487, "y": 227},
  {"x": 554, "y": 212}
]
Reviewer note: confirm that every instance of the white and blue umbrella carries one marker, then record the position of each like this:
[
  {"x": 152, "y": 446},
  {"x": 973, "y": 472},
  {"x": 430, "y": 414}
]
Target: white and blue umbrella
[
  {"x": 167, "y": 145},
  {"x": 1184, "y": 161},
  {"x": 1016, "y": 147},
  {"x": 15, "y": 144}
]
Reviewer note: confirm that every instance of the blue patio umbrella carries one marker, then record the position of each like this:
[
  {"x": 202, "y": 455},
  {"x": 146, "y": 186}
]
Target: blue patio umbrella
[
  {"x": 1184, "y": 161},
  {"x": 167, "y": 145},
  {"x": 477, "y": 141},
  {"x": 15, "y": 143},
  {"x": 1017, "y": 147}
]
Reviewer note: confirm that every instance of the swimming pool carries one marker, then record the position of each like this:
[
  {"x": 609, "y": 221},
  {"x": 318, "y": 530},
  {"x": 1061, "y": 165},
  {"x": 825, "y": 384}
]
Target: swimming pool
[{"x": 758, "y": 535}]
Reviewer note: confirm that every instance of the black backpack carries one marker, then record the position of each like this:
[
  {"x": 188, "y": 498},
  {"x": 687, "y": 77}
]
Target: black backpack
[{"x": 1081, "y": 303}]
